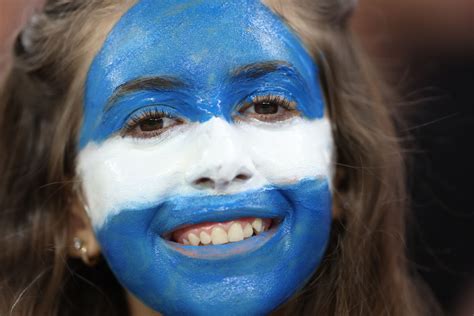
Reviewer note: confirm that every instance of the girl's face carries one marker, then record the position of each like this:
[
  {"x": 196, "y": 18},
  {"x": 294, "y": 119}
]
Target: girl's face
[{"x": 205, "y": 157}]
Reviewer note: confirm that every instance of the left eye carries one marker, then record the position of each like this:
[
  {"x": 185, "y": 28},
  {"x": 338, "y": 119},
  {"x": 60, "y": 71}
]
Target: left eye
[
  {"x": 268, "y": 109},
  {"x": 150, "y": 124}
]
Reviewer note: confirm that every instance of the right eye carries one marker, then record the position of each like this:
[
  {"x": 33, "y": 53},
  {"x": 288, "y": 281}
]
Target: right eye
[{"x": 150, "y": 124}]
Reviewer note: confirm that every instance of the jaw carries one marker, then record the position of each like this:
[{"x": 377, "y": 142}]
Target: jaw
[{"x": 253, "y": 276}]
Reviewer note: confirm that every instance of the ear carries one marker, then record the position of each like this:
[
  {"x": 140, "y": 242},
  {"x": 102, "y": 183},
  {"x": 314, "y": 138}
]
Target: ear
[{"x": 81, "y": 232}]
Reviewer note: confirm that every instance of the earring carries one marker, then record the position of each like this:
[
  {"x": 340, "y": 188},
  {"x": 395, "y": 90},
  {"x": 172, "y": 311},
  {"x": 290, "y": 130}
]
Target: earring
[
  {"x": 86, "y": 208},
  {"x": 80, "y": 246}
]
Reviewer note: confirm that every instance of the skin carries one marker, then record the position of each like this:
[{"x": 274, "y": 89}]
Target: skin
[{"x": 216, "y": 157}]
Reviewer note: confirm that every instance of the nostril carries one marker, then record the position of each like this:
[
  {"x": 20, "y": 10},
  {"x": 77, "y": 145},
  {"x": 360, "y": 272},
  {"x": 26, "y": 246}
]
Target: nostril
[
  {"x": 220, "y": 182},
  {"x": 204, "y": 183},
  {"x": 242, "y": 177}
]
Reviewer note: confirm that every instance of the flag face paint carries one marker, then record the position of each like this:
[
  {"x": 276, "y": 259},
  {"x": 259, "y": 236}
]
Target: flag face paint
[{"x": 252, "y": 142}]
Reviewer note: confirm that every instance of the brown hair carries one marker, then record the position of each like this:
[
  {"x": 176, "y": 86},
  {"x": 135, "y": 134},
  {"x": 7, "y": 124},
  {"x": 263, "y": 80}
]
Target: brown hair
[{"x": 364, "y": 271}]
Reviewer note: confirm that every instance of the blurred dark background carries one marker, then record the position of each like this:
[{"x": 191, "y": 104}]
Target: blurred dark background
[{"x": 426, "y": 50}]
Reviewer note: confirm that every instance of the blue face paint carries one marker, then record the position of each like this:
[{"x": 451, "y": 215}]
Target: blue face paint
[
  {"x": 251, "y": 277},
  {"x": 197, "y": 60},
  {"x": 205, "y": 52}
]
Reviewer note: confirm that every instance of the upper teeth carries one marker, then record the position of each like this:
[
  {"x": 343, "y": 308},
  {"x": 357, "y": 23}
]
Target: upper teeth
[
  {"x": 257, "y": 225},
  {"x": 219, "y": 235},
  {"x": 205, "y": 238},
  {"x": 193, "y": 239},
  {"x": 235, "y": 233},
  {"x": 248, "y": 231}
]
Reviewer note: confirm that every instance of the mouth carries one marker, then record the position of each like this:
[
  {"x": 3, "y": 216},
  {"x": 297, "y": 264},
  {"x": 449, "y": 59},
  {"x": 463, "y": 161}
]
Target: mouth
[
  {"x": 219, "y": 233},
  {"x": 224, "y": 226}
]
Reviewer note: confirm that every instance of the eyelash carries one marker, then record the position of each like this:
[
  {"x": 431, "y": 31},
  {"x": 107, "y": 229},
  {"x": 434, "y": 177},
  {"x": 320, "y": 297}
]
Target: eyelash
[
  {"x": 132, "y": 127},
  {"x": 285, "y": 110}
]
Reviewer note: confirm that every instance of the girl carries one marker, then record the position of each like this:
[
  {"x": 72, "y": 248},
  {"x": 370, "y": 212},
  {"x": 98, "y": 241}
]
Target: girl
[{"x": 199, "y": 158}]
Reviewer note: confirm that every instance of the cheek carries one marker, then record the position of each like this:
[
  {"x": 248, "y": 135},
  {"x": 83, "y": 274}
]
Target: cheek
[
  {"x": 124, "y": 174},
  {"x": 301, "y": 149}
]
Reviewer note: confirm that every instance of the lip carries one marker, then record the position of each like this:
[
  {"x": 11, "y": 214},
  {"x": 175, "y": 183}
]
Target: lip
[{"x": 176, "y": 213}]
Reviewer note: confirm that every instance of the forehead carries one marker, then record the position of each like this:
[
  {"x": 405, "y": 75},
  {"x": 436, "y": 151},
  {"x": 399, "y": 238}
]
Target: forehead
[{"x": 200, "y": 42}]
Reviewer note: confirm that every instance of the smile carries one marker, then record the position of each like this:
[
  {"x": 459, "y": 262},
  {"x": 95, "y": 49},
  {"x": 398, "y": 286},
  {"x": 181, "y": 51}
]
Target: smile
[
  {"x": 218, "y": 233},
  {"x": 222, "y": 226},
  {"x": 226, "y": 241}
]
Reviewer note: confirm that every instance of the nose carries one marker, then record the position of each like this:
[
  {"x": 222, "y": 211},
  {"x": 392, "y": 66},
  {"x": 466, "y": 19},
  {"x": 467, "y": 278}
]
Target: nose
[{"x": 223, "y": 164}]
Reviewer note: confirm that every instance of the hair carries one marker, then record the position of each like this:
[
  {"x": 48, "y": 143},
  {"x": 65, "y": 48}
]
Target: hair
[{"x": 364, "y": 271}]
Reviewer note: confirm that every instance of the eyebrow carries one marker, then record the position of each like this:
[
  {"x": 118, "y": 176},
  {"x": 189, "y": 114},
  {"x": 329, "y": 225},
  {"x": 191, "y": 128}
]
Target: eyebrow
[
  {"x": 162, "y": 83},
  {"x": 167, "y": 83},
  {"x": 257, "y": 70}
]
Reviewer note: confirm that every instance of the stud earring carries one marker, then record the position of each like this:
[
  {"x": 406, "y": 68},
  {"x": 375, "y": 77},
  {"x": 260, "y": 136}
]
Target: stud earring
[{"x": 80, "y": 246}]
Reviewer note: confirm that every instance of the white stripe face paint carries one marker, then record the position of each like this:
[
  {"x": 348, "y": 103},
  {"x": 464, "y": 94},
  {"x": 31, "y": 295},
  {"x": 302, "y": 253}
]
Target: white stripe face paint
[{"x": 125, "y": 173}]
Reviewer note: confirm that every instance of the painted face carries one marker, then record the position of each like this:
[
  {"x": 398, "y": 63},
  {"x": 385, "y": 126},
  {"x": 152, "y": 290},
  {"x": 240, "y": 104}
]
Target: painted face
[{"x": 205, "y": 157}]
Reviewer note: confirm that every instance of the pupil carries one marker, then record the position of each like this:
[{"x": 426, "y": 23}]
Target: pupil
[
  {"x": 151, "y": 124},
  {"x": 266, "y": 108}
]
